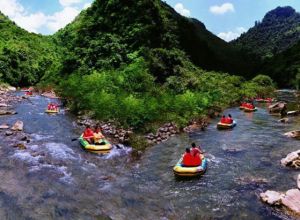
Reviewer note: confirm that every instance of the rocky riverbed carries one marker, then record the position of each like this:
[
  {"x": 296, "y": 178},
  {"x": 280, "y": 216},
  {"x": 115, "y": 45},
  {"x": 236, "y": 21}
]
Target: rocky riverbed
[{"x": 291, "y": 198}]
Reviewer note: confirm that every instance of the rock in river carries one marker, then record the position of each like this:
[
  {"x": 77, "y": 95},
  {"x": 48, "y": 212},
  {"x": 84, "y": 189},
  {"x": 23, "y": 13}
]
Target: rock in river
[
  {"x": 9, "y": 133},
  {"x": 6, "y": 112},
  {"x": 291, "y": 200},
  {"x": 18, "y": 126},
  {"x": 20, "y": 146},
  {"x": 271, "y": 197},
  {"x": 293, "y": 134},
  {"x": 292, "y": 159},
  {"x": 4, "y": 126}
]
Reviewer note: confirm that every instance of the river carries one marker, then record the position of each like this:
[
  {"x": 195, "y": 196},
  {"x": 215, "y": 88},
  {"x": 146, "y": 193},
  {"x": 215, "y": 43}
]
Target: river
[{"x": 55, "y": 179}]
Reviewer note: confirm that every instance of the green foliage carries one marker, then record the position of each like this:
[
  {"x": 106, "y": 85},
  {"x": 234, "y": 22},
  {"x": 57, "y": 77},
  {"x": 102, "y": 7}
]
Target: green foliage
[
  {"x": 25, "y": 57},
  {"x": 278, "y": 31},
  {"x": 131, "y": 97}
]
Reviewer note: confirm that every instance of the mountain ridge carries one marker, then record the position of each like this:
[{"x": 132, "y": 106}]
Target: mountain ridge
[{"x": 278, "y": 31}]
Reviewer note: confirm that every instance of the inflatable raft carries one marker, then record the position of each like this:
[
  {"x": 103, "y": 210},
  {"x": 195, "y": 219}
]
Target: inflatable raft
[
  {"x": 96, "y": 148},
  {"x": 52, "y": 111},
  {"x": 250, "y": 109},
  {"x": 226, "y": 126},
  {"x": 182, "y": 171}
]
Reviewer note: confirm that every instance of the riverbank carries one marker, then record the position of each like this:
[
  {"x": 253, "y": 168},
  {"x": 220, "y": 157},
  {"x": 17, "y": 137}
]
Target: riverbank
[{"x": 243, "y": 162}]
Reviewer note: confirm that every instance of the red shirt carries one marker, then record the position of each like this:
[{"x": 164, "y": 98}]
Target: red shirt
[
  {"x": 197, "y": 160},
  {"x": 195, "y": 151},
  {"x": 188, "y": 160},
  {"x": 88, "y": 133},
  {"x": 223, "y": 120},
  {"x": 230, "y": 121}
]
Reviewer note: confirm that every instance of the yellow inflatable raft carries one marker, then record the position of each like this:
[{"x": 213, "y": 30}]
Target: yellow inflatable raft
[
  {"x": 52, "y": 111},
  {"x": 182, "y": 171},
  {"x": 103, "y": 148}
]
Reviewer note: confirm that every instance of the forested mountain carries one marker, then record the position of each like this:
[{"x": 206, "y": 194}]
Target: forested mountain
[
  {"x": 284, "y": 67},
  {"x": 136, "y": 62},
  {"x": 278, "y": 31},
  {"x": 108, "y": 33},
  {"x": 25, "y": 57}
]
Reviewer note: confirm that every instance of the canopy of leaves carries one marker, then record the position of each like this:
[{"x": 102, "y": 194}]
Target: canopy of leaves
[
  {"x": 24, "y": 57},
  {"x": 278, "y": 31}
]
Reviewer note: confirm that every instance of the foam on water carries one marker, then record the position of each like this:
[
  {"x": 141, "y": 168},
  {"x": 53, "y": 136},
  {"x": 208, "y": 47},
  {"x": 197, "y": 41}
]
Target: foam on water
[
  {"x": 26, "y": 157},
  {"x": 67, "y": 176},
  {"x": 39, "y": 137},
  {"x": 60, "y": 151},
  {"x": 117, "y": 151}
]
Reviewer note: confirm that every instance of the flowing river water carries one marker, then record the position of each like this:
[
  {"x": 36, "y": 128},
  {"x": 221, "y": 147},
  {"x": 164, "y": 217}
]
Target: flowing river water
[{"x": 55, "y": 179}]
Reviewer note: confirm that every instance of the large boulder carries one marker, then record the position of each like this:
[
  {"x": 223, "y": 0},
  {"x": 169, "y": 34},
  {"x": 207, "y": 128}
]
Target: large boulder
[
  {"x": 271, "y": 197},
  {"x": 291, "y": 200},
  {"x": 4, "y": 105},
  {"x": 18, "y": 126},
  {"x": 293, "y": 134},
  {"x": 4, "y": 126},
  {"x": 6, "y": 112},
  {"x": 277, "y": 107},
  {"x": 292, "y": 159}
]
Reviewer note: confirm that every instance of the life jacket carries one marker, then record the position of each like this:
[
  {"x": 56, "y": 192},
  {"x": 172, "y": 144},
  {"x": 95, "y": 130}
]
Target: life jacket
[
  {"x": 223, "y": 120},
  {"x": 230, "y": 120},
  {"x": 88, "y": 133},
  {"x": 188, "y": 160},
  {"x": 197, "y": 160},
  {"x": 195, "y": 151}
]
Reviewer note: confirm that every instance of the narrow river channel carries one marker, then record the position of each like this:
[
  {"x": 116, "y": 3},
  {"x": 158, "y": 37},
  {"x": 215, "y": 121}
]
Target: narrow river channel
[{"x": 55, "y": 179}]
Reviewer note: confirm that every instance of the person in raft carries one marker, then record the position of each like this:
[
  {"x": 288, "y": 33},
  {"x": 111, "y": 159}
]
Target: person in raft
[
  {"x": 98, "y": 136},
  {"x": 250, "y": 105},
  {"x": 189, "y": 160},
  {"x": 52, "y": 106},
  {"x": 223, "y": 120},
  {"x": 88, "y": 134},
  {"x": 196, "y": 150},
  {"x": 229, "y": 119}
]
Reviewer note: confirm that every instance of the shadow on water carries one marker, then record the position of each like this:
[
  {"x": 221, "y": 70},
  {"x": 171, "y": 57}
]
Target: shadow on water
[{"x": 55, "y": 179}]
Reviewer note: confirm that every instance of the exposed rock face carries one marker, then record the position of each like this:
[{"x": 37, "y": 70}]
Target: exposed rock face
[
  {"x": 271, "y": 197},
  {"x": 50, "y": 94},
  {"x": 292, "y": 159},
  {"x": 9, "y": 133},
  {"x": 283, "y": 120},
  {"x": 293, "y": 113},
  {"x": 298, "y": 181},
  {"x": 4, "y": 126},
  {"x": 7, "y": 112},
  {"x": 277, "y": 107},
  {"x": 164, "y": 133},
  {"x": 293, "y": 134},
  {"x": 18, "y": 126},
  {"x": 291, "y": 200},
  {"x": 20, "y": 146}
]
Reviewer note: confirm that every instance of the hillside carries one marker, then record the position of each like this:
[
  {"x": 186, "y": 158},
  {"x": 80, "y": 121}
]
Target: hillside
[
  {"x": 106, "y": 35},
  {"x": 284, "y": 67},
  {"x": 25, "y": 57},
  {"x": 278, "y": 31}
]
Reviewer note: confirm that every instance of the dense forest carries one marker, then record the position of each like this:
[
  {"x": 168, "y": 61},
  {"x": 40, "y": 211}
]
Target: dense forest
[
  {"x": 278, "y": 31},
  {"x": 24, "y": 57},
  {"x": 136, "y": 62}
]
